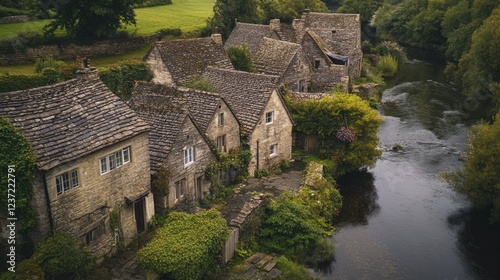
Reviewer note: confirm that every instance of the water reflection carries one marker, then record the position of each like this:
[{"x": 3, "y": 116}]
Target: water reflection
[
  {"x": 478, "y": 242},
  {"x": 359, "y": 193}
]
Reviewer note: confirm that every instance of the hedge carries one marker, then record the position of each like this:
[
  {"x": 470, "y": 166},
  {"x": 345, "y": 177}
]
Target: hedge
[
  {"x": 22, "y": 82},
  {"x": 187, "y": 246}
]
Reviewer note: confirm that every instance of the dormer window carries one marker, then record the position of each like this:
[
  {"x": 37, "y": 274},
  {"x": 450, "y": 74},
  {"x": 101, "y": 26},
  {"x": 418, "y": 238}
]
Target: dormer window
[{"x": 269, "y": 117}]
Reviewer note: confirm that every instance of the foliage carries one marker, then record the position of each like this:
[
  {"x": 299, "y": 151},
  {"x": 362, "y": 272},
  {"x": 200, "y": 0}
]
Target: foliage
[
  {"x": 120, "y": 78},
  {"x": 21, "y": 82},
  {"x": 325, "y": 116},
  {"x": 6, "y": 12},
  {"x": 479, "y": 178},
  {"x": 151, "y": 3},
  {"x": 200, "y": 83},
  {"x": 387, "y": 66},
  {"x": 159, "y": 219},
  {"x": 16, "y": 158},
  {"x": 162, "y": 180},
  {"x": 187, "y": 246},
  {"x": 88, "y": 19},
  {"x": 292, "y": 270},
  {"x": 365, "y": 8},
  {"x": 240, "y": 57},
  {"x": 290, "y": 228},
  {"x": 60, "y": 255},
  {"x": 51, "y": 68}
]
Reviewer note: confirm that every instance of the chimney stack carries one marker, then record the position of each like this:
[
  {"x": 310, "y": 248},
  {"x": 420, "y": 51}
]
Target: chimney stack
[
  {"x": 216, "y": 36},
  {"x": 87, "y": 72}
]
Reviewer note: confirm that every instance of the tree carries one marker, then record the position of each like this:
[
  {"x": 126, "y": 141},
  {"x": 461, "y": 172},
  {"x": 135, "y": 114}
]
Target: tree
[
  {"x": 240, "y": 57},
  {"x": 326, "y": 118},
  {"x": 364, "y": 8},
  {"x": 16, "y": 158},
  {"x": 88, "y": 19},
  {"x": 479, "y": 178}
]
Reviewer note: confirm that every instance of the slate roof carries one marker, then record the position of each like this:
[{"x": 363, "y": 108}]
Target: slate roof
[
  {"x": 250, "y": 34},
  {"x": 165, "y": 120},
  {"x": 274, "y": 56},
  {"x": 201, "y": 104},
  {"x": 246, "y": 93},
  {"x": 186, "y": 58},
  {"x": 69, "y": 120}
]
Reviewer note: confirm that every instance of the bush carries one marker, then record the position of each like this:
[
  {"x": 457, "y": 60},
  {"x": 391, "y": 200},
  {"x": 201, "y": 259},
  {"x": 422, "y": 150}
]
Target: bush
[
  {"x": 60, "y": 256},
  {"x": 240, "y": 57},
  {"x": 187, "y": 246},
  {"x": 6, "y": 12},
  {"x": 387, "y": 66},
  {"x": 291, "y": 270},
  {"x": 169, "y": 33},
  {"x": 290, "y": 228},
  {"x": 49, "y": 62},
  {"x": 152, "y": 3},
  {"x": 21, "y": 82},
  {"x": 120, "y": 78},
  {"x": 199, "y": 83}
]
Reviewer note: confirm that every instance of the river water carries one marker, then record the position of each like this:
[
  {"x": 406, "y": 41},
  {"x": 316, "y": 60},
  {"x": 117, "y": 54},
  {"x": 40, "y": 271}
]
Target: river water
[{"x": 399, "y": 221}]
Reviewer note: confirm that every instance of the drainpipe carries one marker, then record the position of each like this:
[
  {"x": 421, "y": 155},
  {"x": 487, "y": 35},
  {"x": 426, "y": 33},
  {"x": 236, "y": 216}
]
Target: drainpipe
[
  {"x": 49, "y": 209},
  {"x": 257, "y": 167}
]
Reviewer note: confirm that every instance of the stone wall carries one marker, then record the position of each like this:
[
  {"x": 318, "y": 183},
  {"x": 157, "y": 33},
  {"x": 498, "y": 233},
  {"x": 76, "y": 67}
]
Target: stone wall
[
  {"x": 13, "y": 19},
  {"x": 71, "y": 51},
  {"x": 298, "y": 69},
  {"x": 189, "y": 136},
  {"x": 264, "y": 135},
  {"x": 161, "y": 75},
  {"x": 87, "y": 207},
  {"x": 231, "y": 127}
]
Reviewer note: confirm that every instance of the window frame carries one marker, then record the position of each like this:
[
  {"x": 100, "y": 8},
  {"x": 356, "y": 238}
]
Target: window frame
[
  {"x": 220, "y": 119},
  {"x": 273, "y": 150},
  {"x": 67, "y": 181},
  {"x": 220, "y": 142},
  {"x": 317, "y": 63},
  {"x": 269, "y": 117},
  {"x": 179, "y": 188},
  {"x": 114, "y": 160},
  {"x": 189, "y": 157}
]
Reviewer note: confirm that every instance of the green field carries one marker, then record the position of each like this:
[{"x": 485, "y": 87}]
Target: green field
[{"x": 188, "y": 15}]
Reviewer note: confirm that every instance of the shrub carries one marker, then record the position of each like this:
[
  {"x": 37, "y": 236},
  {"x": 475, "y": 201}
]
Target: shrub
[
  {"x": 21, "y": 82},
  {"x": 60, "y": 255},
  {"x": 49, "y": 62},
  {"x": 152, "y": 3},
  {"x": 387, "y": 66},
  {"x": 240, "y": 57},
  {"x": 199, "y": 83},
  {"x": 5, "y": 12},
  {"x": 292, "y": 270},
  {"x": 187, "y": 246},
  {"x": 120, "y": 78}
]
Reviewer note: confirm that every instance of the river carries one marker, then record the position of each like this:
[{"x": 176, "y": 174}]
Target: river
[{"x": 399, "y": 221}]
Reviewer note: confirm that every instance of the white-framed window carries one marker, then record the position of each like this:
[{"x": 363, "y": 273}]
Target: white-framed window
[
  {"x": 179, "y": 188},
  {"x": 221, "y": 143},
  {"x": 188, "y": 155},
  {"x": 273, "y": 150},
  {"x": 67, "y": 181},
  {"x": 220, "y": 119},
  {"x": 114, "y": 160},
  {"x": 269, "y": 117}
]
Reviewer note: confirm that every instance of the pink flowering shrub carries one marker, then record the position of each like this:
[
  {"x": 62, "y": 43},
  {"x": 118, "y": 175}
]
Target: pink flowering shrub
[{"x": 345, "y": 134}]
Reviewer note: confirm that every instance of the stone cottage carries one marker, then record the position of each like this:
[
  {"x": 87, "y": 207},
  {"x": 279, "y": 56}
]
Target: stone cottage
[
  {"x": 266, "y": 124},
  {"x": 337, "y": 34},
  {"x": 210, "y": 111},
  {"x": 175, "y": 62},
  {"x": 92, "y": 161},
  {"x": 284, "y": 59},
  {"x": 177, "y": 148}
]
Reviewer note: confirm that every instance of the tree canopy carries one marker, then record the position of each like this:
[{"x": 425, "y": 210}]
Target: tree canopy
[
  {"x": 88, "y": 19},
  {"x": 479, "y": 178}
]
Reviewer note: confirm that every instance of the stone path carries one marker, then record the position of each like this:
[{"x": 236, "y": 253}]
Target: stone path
[{"x": 259, "y": 266}]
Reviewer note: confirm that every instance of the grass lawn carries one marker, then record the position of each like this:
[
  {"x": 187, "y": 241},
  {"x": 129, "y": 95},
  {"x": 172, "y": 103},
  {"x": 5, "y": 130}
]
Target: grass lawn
[{"x": 188, "y": 15}]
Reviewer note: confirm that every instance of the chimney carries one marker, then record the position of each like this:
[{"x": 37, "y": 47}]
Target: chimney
[
  {"x": 87, "y": 72},
  {"x": 275, "y": 24},
  {"x": 216, "y": 36}
]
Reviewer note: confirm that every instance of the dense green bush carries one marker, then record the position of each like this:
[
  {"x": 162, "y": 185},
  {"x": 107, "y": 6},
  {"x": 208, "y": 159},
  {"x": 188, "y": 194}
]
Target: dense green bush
[
  {"x": 199, "y": 83},
  {"x": 21, "y": 82},
  {"x": 387, "y": 66},
  {"x": 152, "y": 3},
  {"x": 120, "y": 78},
  {"x": 290, "y": 228},
  {"x": 5, "y": 12},
  {"x": 240, "y": 57},
  {"x": 292, "y": 270},
  {"x": 187, "y": 246}
]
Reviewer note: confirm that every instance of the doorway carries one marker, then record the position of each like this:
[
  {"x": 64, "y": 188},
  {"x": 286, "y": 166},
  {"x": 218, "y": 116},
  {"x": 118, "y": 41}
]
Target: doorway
[{"x": 139, "y": 215}]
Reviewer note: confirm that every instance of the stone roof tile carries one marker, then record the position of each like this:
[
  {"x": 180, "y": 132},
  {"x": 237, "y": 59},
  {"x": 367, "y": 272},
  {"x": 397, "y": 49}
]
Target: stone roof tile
[
  {"x": 274, "y": 56},
  {"x": 69, "y": 120},
  {"x": 250, "y": 34}
]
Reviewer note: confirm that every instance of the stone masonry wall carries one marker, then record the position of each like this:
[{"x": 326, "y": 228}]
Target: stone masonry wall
[
  {"x": 279, "y": 132},
  {"x": 298, "y": 69},
  {"x": 230, "y": 128},
  {"x": 161, "y": 75},
  {"x": 87, "y": 207},
  {"x": 187, "y": 137}
]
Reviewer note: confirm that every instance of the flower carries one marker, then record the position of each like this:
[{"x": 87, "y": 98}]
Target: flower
[{"x": 346, "y": 135}]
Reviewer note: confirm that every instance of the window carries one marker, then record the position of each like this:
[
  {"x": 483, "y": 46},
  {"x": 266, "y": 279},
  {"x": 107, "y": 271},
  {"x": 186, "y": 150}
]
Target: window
[
  {"x": 179, "y": 188},
  {"x": 66, "y": 181},
  {"x": 269, "y": 117},
  {"x": 95, "y": 233},
  {"x": 273, "y": 150},
  {"x": 188, "y": 155},
  {"x": 221, "y": 143},
  {"x": 316, "y": 63},
  {"x": 220, "y": 119},
  {"x": 114, "y": 160},
  {"x": 302, "y": 86}
]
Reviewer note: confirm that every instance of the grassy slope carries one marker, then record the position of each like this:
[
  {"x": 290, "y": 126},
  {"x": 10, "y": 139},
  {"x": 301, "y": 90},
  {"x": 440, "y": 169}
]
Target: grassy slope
[{"x": 188, "y": 15}]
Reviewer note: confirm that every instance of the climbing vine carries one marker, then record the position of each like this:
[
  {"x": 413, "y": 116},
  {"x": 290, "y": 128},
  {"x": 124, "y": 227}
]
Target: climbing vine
[{"x": 162, "y": 180}]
